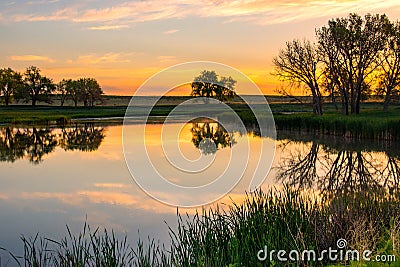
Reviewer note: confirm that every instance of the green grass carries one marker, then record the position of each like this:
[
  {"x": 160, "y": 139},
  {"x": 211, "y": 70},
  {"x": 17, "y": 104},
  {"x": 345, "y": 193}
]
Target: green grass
[
  {"x": 376, "y": 125},
  {"x": 285, "y": 219}
]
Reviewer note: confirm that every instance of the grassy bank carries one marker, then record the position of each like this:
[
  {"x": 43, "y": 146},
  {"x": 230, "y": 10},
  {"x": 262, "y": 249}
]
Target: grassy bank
[
  {"x": 372, "y": 123},
  {"x": 377, "y": 125},
  {"x": 280, "y": 220}
]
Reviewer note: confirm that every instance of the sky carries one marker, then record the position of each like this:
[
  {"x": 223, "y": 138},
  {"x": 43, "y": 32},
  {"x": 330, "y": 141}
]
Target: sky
[{"x": 122, "y": 43}]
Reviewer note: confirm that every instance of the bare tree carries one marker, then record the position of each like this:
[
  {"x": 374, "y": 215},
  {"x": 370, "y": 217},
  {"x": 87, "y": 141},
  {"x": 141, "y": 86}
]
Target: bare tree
[
  {"x": 350, "y": 48},
  {"x": 390, "y": 59},
  {"x": 299, "y": 62}
]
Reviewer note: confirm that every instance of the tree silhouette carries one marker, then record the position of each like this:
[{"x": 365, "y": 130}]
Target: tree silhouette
[
  {"x": 37, "y": 88},
  {"x": 350, "y": 48},
  {"x": 10, "y": 82},
  {"x": 207, "y": 84},
  {"x": 298, "y": 63}
]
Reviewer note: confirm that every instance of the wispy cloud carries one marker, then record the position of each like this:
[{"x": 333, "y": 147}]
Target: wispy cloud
[
  {"x": 260, "y": 12},
  {"x": 83, "y": 197},
  {"x": 166, "y": 59},
  {"x": 109, "y": 185},
  {"x": 30, "y": 58},
  {"x": 105, "y": 58},
  {"x": 107, "y": 27},
  {"x": 63, "y": 14},
  {"x": 171, "y": 31}
]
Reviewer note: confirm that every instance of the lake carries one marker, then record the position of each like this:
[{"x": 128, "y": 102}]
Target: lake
[{"x": 51, "y": 177}]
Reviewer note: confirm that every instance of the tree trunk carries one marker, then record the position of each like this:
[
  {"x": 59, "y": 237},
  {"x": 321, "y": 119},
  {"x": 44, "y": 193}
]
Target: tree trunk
[
  {"x": 345, "y": 104},
  {"x": 33, "y": 102},
  {"x": 387, "y": 99}
]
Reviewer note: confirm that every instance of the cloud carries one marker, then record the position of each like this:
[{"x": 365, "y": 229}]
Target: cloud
[
  {"x": 109, "y": 185},
  {"x": 83, "y": 197},
  {"x": 171, "y": 31},
  {"x": 166, "y": 59},
  {"x": 31, "y": 58},
  {"x": 63, "y": 14},
  {"x": 252, "y": 11},
  {"x": 107, "y": 27},
  {"x": 91, "y": 59}
]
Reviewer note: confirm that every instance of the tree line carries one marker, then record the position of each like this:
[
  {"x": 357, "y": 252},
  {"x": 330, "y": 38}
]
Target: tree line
[
  {"x": 353, "y": 57},
  {"x": 33, "y": 87}
]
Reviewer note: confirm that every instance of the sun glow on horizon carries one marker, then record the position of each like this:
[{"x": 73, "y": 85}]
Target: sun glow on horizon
[{"x": 123, "y": 43}]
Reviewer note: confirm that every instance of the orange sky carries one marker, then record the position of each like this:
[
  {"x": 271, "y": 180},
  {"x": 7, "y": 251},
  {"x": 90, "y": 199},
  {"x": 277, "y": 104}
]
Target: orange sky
[{"x": 123, "y": 43}]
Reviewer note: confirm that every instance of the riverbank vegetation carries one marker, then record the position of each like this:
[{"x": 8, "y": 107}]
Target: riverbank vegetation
[
  {"x": 370, "y": 124},
  {"x": 233, "y": 235}
]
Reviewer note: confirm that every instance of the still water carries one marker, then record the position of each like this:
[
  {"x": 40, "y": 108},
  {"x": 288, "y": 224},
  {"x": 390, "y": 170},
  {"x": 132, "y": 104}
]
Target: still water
[{"x": 52, "y": 177}]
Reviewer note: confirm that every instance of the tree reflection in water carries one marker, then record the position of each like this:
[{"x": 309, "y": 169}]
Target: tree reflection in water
[
  {"x": 83, "y": 138},
  {"x": 34, "y": 143},
  {"x": 209, "y": 137},
  {"x": 340, "y": 171}
]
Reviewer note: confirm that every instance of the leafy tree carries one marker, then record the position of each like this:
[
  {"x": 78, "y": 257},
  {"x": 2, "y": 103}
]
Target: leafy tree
[
  {"x": 63, "y": 88},
  {"x": 298, "y": 63},
  {"x": 350, "y": 48},
  {"x": 89, "y": 91},
  {"x": 207, "y": 84},
  {"x": 37, "y": 88},
  {"x": 74, "y": 91},
  {"x": 10, "y": 81}
]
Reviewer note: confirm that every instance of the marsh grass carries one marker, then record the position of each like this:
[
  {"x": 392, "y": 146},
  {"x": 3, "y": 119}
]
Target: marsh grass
[{"x": 232, "y": 235}]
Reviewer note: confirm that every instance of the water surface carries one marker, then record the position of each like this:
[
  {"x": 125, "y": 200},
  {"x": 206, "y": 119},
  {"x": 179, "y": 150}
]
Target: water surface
[{"x": 51, "y": 177}]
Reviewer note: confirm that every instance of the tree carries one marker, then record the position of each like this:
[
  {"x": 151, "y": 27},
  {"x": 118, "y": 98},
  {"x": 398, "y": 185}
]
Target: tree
[
  {"x": 37, "y": 88},
  {"x": 89, "y": 91},
  {"x": 74, "y": 91},
  {"x": 350, "y": 48},
  {"x": 207, "y": 84},
  {"x": 10, "y": 81},
  {"x": 298, "y": 63},
  {"x": 63, "y": 88},
  {"x": 390, "y": 67}
]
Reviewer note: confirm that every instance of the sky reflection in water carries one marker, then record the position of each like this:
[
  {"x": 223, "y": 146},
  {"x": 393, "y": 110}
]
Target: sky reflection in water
[{"x": 53, "y": 177}]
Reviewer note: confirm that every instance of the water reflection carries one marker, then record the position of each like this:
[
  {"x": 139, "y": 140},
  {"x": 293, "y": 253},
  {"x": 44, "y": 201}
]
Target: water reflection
[
  {"x": 339, "y": 170},
  {"x": 209, "y": 137},
  {"x": 34, "y": 143},
  {"x": 83, "y": 138}
]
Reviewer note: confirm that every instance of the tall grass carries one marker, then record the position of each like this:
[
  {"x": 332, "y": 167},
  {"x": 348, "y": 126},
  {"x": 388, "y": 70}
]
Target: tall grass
[
  {"x": 231, "y": 236},
  {"x": 369, "y": 125}
]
